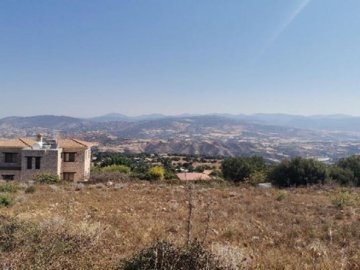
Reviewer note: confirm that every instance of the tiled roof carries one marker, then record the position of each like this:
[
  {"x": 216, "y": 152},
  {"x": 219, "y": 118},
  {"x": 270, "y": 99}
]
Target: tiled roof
[
  {"x": 73, "y": 143},
  {"x": 17, "y": 143},
  {"x": 62, "y": 143}
]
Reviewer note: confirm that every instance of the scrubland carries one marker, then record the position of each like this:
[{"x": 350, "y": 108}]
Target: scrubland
[{"x": 69, "y": 226}]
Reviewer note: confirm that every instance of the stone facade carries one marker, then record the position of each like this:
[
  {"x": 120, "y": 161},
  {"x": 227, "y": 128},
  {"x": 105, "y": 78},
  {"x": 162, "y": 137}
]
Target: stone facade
[{"x": 24, "y": 159}]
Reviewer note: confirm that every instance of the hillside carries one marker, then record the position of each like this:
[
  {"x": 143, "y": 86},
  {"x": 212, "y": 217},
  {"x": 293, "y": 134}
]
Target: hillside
[
  {"x": 272, "y": 136},
  {"x": 94, "y": 227}
]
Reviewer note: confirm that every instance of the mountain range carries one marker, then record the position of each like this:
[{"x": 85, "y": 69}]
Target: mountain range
[
  {"x": 340, "y": 123},
  {"x": 272, "y": 135}
]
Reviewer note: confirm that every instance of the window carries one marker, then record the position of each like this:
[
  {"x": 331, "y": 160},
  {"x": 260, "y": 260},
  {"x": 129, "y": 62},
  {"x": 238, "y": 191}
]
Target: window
[
  {"x": 8, "y": 177},
  {"x": 69, "y": 156},
  {"x": 68, "y": 176},
  {"x": 11, "y": 157},
  {"x": 29, "y": 163},
  {"x": 37, "y": 163}
]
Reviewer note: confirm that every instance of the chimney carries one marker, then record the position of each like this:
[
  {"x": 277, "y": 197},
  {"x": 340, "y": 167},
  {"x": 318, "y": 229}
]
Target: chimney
[{"x": 39, "y": 140}]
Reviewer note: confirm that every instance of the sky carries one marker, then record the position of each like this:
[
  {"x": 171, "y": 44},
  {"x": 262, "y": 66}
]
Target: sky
[{"x": 86, "y": 58}]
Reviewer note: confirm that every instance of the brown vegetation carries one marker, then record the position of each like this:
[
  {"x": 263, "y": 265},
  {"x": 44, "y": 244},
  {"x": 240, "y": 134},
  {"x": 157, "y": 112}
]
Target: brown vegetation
[{"x": 95, "y": 227}]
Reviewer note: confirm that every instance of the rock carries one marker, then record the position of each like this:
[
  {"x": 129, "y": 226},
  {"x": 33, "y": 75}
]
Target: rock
[
  {"x": 54, "y": 187},
  {"x": 79, "y": 186},
  {"x": 23, "y": 185},
  {"x": 265, "y": 185},
  {"x": 31, "y": 182},
  {"x": 109, "y": 183},
  {"x": 173, "y": 205},
  {"x": 119, "y": 186},
  {"x": 100, "y": 185}
]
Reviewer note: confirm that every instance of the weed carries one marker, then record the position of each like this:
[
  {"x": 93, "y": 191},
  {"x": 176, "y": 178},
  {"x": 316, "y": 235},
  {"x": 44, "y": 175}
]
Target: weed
[
  {"x": 47, "y": 179},
  {"x": 8, "y": 188},
  {"x": 165, "y": 256},
  {"x": 281, "y": 195},
  {"x": 343, "y": 198},
  {"x": 30, "y": 189},
  {"x": 6, "y": 200}
]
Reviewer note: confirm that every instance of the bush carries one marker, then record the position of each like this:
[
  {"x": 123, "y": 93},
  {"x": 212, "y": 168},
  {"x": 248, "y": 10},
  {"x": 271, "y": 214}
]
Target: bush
[
  {"x": 342, "y": 176},
  {"x": 30, "y": 189},
  {"x": 281, "y": 195},
  {"x": 343, "y": 198},
  {"x": 351, "y": 164},
  {"x": 239, "y": 168},
  {"x": 8, "y": 228},
  {"x": 164, "y": 256},
  {"x": 6, "y": 200},
  {"x": 170, "y": 175},
  {"x": 157, "y": 173},
  {"x": 47, "y": 179},
  {"x": 116, "y": 168},
  {"x": 256, "y": 178},
  {"x": 298, "y": 172},
  {"x": 216, "y": 174},
  {"x": 102, "y": 177},
  {"x": 49, "y": 245},
  {"x": 8, "y": 188}
]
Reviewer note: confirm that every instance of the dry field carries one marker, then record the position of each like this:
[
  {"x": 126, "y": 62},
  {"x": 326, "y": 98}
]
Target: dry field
[{"x": 250, "y": 228}]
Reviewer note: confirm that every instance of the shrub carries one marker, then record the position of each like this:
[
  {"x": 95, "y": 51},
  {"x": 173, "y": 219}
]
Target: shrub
[
  {"x": 298, "y": 172},
  {"x": 342, "y": 176},
  {"x": 216, "y": 174},
  {"x": 170, "y": 175},
  {"x": 157, "y": 173},
  {"x": 116, "y": 168},
  {"x": 164, "y": 256},
  {"x": 239, "y": 168},
  {"x": 48, "y": 245},
  {"x": 6, "y": 200},
  {"x": 9, "y": 188},
  {"x": 343, "y": 198},
  {"x": 353, "y": 164},
  {"x": 256, "y": 178},
  {"x": 47, "y": 179},
  {"x": 281, "y": 195},
  {"x": 102, "y": 177},
  {"x": 8, "y": 228},
  {"x": 30, "y": 189}
]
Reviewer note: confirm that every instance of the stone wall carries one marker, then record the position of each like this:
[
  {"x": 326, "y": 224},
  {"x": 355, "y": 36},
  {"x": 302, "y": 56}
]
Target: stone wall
[
  {"x": 10, "y": 168},
  {"x": 48, "y": 164},
  {"x": 81, "y": 166}
]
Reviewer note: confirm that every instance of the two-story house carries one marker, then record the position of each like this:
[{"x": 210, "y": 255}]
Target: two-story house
[{"x": 23, "y": 159}]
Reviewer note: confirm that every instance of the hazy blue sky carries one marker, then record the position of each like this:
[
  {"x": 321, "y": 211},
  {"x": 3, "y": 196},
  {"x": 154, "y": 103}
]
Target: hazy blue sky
[{"x": 90, "y": 57}]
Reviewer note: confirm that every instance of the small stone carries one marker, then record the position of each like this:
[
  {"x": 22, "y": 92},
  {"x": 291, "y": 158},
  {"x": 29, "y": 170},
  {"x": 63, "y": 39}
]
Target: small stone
[
  {"x": 100, "y": 185},
  {"x": 79, "y": 186},
  {"x": 264, "y": 185},
  {"x": 119, "y": 186},
  {"x": 54, "y": 188}
]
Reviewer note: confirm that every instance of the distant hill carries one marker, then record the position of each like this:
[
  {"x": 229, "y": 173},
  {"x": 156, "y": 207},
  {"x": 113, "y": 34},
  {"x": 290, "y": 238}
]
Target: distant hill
[
  {"x": 342, "y": 123},
  {"x": 161, "y": 126},
  {"x": 41, "y": 121},
  {"x": 317, "y": 122},
  {"x": 274, "y": 136},
  {"x": 121, "y": 117}
]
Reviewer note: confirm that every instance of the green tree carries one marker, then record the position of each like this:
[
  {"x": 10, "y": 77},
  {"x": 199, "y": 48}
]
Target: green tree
[
  {"x": 237, "y": 169},
  {"x": 298, "y": 172},
  {"x": 353, "y": 164},
  {"x": 342, "y": 176},
  {"x": 116, "y": 168},
  {"x": 157, "y": 173}
]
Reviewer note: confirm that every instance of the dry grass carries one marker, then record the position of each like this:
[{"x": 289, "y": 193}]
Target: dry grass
[{"x": 249, "y": 227}]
